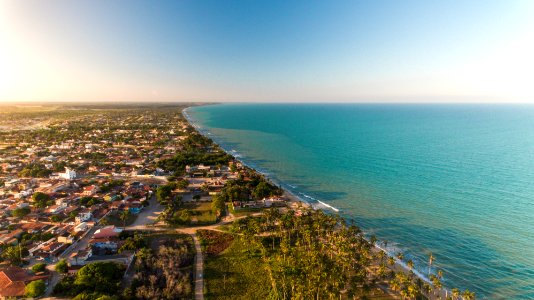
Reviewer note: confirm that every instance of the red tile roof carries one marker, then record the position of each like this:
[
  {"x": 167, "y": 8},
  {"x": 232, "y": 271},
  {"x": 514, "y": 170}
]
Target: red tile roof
[{"x": 13, "y": 281}]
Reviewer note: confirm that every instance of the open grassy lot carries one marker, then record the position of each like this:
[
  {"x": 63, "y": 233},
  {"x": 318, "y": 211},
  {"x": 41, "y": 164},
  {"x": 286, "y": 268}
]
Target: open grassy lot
[
  {"x": 114, "y": 219},
  {"x": 236, "y": 273},
  {"x": 195, "y": 213}
]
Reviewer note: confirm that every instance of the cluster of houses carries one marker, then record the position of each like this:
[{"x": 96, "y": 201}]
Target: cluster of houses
[
  {"x": 59, "y": 188},
  {"x": 67, "y": 216},
  {"x": 87, "y": 169}
]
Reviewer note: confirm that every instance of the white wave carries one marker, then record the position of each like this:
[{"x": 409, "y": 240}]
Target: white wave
[
  {"x": 309, "y": 197},
  {"x": 329, "y": 206}
]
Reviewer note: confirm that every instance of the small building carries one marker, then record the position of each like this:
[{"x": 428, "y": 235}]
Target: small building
[
  {"x": 106, "y": 243},
  {"x": 79, "y": 258},
  {"x": 83, "y": 216},
  {"x": 68, "y": 175},
  {"x": 83, "y": 226},
  {"x": 107, "y": 232},
  {"x": 13, "y": 281},
  {"x": 90, "y": 190}
]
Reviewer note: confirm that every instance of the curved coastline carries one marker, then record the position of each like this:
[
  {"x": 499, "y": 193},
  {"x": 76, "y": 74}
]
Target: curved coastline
[{"x": 316, "y": 204}]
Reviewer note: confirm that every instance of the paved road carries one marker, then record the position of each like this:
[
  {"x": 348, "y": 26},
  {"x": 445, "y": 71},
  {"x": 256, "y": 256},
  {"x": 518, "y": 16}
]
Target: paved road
[
  {"x": 54, "y": 279},
  {"x": 199, "y": 259},
  {"x": 81, "y": 244},
  {"x": 199, "y": 269}
]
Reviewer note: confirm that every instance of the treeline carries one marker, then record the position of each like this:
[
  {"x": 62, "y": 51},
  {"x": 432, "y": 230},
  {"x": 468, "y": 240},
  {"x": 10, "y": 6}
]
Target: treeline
[
  {"x": 248, "y": 187},
  {"x": 99, "y": 280},
  {"x": 35, "y": 170},
  {"x": 314, "y": 256},
  {"x": 196, "y": 149},
  {"x": 319, "y": 256}
]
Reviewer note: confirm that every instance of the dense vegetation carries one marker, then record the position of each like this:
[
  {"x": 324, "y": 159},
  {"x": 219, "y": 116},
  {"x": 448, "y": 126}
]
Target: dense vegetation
[
  {"x": 315, "y": 256},
  {"x": 196, "y": 149},
  {"x": 35, "y": 170},
  {"x": 92, "y": 281},
  {"x": 166, "y": 271},
  {"x": 35, "y": 289}
]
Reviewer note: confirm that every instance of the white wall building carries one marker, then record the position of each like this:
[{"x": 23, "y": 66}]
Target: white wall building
[{"x": 69, "y": 174}]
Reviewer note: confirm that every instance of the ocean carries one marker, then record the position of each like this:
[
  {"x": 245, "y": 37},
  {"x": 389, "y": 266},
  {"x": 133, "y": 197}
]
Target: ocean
[{"x": 456, "y": 181}]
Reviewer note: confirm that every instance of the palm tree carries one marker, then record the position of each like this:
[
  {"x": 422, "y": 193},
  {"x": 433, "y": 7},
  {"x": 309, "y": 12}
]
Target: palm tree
[
  {"x": 124, "y": 215},
  {"x": 427, "y": 288},
  {"x": 410, "y": 264},
  {"x": 430, "y": 261},
  {"x": 455, "y": 293},
  {"x": 467, "y": 295}
]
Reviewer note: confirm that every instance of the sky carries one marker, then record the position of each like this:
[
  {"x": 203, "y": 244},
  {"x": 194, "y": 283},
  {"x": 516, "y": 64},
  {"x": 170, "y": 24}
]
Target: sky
[{"x": 267, "y": 51}]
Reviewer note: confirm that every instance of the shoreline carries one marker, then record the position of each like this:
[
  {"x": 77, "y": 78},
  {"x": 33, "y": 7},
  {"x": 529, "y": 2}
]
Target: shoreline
[{"x": 296, "y": 201}]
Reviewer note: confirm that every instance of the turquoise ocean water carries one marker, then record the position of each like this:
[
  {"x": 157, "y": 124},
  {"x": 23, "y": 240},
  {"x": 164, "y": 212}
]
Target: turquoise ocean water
[{"x": 453, "y": 180}]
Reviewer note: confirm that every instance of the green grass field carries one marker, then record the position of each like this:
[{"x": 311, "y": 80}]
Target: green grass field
[
  {"x": 191, "y": 213},
  {"x": 236, "y": 273},
  {"x": 114, "y": 219}
]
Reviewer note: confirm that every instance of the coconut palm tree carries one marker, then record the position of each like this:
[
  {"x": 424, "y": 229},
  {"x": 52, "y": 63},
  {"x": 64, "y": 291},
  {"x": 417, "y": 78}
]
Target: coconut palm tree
[
  {"x": 467, "y": 295},
  {"x": 410, "y": 264},
  {"x": 430, "y": 261},
  {"x": 124, "y": 215}
]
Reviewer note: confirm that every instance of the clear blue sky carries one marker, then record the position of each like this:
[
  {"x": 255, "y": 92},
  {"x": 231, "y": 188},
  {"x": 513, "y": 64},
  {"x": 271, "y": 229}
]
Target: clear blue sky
[{"x": 267, "y": 50}]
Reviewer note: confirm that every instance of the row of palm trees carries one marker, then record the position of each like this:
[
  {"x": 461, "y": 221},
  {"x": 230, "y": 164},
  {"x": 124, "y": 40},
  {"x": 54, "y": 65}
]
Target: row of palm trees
[
  {"x": 318, "y": 256},
  {"x": 409, "y": 285}
]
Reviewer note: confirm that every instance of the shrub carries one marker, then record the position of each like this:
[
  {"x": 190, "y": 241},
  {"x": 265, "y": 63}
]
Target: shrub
[
  {"x": 39, "y": 267},
  {"x": 62, "y": 267},
  {"x": 35, "y": 289}
]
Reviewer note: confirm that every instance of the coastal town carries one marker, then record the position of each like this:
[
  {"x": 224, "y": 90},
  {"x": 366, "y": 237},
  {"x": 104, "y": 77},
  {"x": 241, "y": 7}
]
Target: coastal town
[
  {"x": 117, "y": 202},
  {"x": 70, "y": 189}
]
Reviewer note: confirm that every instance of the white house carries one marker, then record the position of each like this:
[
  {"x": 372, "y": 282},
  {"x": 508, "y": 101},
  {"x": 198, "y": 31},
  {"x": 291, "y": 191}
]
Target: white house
[
  {"x": 83, "y": 217},
  {"x": 81, "y": 227},
  {"x": 69, "y": 174}
]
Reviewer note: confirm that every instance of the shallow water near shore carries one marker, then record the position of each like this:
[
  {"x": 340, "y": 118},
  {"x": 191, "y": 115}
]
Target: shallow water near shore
[{"x": 451, "y": 180}]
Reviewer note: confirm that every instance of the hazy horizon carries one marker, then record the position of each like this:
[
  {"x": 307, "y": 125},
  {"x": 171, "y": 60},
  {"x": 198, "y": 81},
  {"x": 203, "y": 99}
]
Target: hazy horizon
[{"x": 276, "y": 51}]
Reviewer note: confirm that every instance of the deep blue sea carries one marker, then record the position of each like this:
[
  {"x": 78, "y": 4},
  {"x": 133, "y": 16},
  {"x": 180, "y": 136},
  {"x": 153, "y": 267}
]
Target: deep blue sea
[{"x": 456, "y": 181}]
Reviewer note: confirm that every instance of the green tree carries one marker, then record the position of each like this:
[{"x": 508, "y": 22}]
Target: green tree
[
  {"x": 35, "y": 289},
  {"x": 217, "y": 204},
  {"x": 14, "y": 254},
  {"x": 124, "y": 215},
  {"x": 21, "y": 212},
  {"x": 262, "y": 190},
  {"x": 56, "y": 218},
  {"x": 101, "y": 277},
  {"x": 40, "y": 199},
  {"x": 39, "y": 267},
  {"x": 182, "y": 184},
  {"x": 163, "y": 193},
  {"x": 467, "y": 295},
  {"x": 62, "y": 266}
]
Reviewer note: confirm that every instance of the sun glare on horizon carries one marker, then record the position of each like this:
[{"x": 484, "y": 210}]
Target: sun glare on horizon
[{"x": 165, "y": 54}]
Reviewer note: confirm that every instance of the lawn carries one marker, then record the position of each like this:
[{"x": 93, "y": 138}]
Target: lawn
[
  {"x": 191, "y": 213},
  {"x": 236, "y": 273},
  {"x": 114, "y": 219},
  {"x": 243, "y": 211}
]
